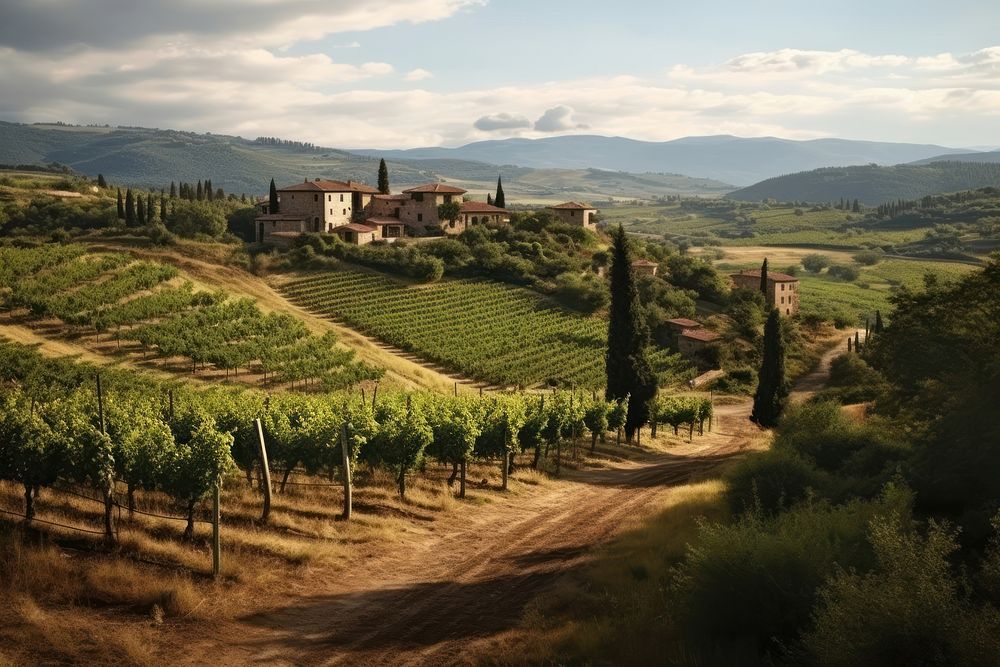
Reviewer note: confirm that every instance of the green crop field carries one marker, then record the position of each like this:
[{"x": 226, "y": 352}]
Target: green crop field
[
  {"x": 489, "y": 331},
  {"x": 771, "y": 226}
]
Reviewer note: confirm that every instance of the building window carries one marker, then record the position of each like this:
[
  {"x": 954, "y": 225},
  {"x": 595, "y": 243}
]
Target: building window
[
  {"x": 396, "y": 213},
  {"x": 420, "y": 217},
  {"x": 475, "y": 220},
  {"x": 341, "y": 197},
  {"x": 447, "y": 199},
  {"x": 418, "y": 196},
  {"x": 344, "y": 212},
  {"x": 572, "y": 214},
  {"x": 782, "y": 287},
  {"x": 315, "y": 224},
  {"x": 331, "y": 211},
  {"x": 452, "y": 224},
  {"x": 315, "y": 197},
  {"x": 782, "y": 299}
]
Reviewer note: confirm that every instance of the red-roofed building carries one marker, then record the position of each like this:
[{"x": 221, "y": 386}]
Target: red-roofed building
[
  {"x": 417, "y": 207},
  {"x": 782, "y": 289},
  {"x": 575, "y": 213},
  {"x": 645, "y": 266},
  {"x": 319, "y": 205},
  {"x": 356, "y": 233},
  {"x": 692, "y": 341}
]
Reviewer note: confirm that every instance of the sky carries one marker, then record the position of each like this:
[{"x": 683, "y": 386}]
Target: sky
[{"x": 409, "y": 73}]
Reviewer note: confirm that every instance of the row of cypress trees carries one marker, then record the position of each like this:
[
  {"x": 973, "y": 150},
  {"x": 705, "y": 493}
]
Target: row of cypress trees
[{"x": 138, "y": 210}]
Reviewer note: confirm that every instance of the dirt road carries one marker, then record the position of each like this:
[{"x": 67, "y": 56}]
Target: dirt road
[
  {"x": 470, "y": 576},
  {"x": 467, "y": 578}
]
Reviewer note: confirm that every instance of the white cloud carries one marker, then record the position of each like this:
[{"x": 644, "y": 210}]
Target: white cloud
[
  {"x": 798, "y": 61},
  {"x": 558, "y": 119},
  {"x": 501, "y": 121},
  {"x": 418, "y": 74}
]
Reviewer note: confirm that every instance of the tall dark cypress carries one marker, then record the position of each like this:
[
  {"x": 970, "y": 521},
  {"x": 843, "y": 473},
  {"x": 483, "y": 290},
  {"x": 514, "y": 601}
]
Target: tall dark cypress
[
  {"x": 499, "y": 200},
  {"x": 878, "y": 322},
  {"x": 163, "y": 209},
  {"x": 272, "y": 207},
  {"x": 209, "y": 195},
  {"x": 173, "y": 190},
  {"x": 772, "y": 385},
  {"x": 121, "y": 205},
  {"x": 489, "y": 199},
  {"x": 383, "y": 178},
  {"x": 199, "y": 193},
  {"x": 101, "y": 183},
  {"x": 629, "y": 372},
  {"x": 763, "y": 277},
  {"x": 150, "y": 211},
  {"x": 129, "y": 209},
  {"x": 140, "y": 210}
]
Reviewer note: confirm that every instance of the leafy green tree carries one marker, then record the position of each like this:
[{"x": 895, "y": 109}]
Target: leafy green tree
[
  {"x": 449, "y": 211},
  {"x": 201, "y": 459},
  {"x": 629, "y": 373},
  {"x": 814, "y": 263},
  {"x": 772, "y": 384},
  {"x": 383, "y": 177},
  {"x": 499, "y": 200}
]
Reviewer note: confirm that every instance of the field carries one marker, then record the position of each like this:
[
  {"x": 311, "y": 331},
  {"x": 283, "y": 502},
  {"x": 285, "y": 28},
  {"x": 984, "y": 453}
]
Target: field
[
  {"x": 857, "y": 300},
  {"x": 773, "y": 226},
  {"x": 148, "y": 304},
  {"x": 492, "y": 332}
]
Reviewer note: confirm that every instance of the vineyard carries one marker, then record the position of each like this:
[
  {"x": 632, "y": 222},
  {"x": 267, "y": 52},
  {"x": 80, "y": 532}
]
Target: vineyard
[
  {"x": 139, "y": 301},
  {"x": 495, "y": 333},
  {"x": 57, "y": 428}
]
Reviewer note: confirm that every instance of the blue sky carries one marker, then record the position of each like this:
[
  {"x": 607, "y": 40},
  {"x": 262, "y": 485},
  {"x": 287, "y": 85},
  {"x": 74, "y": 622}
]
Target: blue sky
[{"x": 403, "y": 73}]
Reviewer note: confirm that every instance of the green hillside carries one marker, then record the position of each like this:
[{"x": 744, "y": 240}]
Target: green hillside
[
  {"x": 151, "y": 158},
  {"x": 872, "y": 184}
]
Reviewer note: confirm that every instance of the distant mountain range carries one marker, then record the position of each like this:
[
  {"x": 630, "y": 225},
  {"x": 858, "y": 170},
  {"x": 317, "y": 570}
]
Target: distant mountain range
[
  {"x": 152, "y": 158},
  {"x": 724, "y": 158},
  {"x": 873, "y": 185},
  {"x": 587, "y": 168}
]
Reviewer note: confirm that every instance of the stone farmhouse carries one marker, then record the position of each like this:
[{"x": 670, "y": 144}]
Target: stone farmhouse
[
  {"x": 575, "y": 213},
  {"x": 358, "y": 214},
  {"x": 691, "y": 338},
  {"x": 782, "y": 289}
]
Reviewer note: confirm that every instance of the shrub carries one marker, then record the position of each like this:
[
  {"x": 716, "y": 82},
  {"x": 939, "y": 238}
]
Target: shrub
[
  {"x": 815, "y": 263},
  {"x": 770, "y": 481},
  {"x": 910, "y": 610},
  {"x": 868, "y": 257},
  {"x": 844, "y": 272}
]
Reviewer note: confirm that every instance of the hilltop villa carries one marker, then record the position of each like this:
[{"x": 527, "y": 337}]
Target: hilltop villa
[
  {"x": 358, "y": 214},
  {"x": 782, "y": 289},
  {"x": 575, "y": 213}
]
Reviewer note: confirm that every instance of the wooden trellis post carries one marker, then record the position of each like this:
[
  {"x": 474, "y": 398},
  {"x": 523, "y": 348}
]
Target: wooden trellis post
[
  {"x": 266, "y": 471},
  {"x": 347, "y": 471},
  {"x": 216, "y": 539}
]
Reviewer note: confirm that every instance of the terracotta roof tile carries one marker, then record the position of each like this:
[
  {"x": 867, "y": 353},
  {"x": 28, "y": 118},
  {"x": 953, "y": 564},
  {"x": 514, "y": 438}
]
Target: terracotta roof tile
[
  {"x": 684, "y": 322},
  {"x": 438, "y": 188},
  {"x": 354, "y": 227},
  {"x": 700, "y": 335},
  {"x": 573, "y": 206},
  {"x": 480, "y": 207},
  {"x": 324, "y": 185}
]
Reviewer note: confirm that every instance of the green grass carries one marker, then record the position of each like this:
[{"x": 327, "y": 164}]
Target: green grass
[
  {"x": 488, "y": 331},
  {"x": 775, "y": 226}
]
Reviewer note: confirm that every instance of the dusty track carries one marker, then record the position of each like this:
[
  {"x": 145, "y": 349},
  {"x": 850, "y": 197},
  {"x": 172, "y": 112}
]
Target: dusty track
[
  {"x": 468, "y": 578},
  {"x": 465, "y": 580}
]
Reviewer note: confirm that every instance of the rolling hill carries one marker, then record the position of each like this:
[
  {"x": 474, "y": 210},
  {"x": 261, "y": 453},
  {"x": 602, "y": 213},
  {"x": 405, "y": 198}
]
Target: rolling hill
[
  {"x": 873, "y": 185},
  {"x": 152, "y": 158},
  {"x": 726, "y": 158},
  {"x": 985, "y": 156}
]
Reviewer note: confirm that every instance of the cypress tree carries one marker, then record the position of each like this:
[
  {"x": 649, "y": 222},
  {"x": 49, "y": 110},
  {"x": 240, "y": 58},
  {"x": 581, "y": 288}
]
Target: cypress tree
[
  {"x": 199, "y": 193},
  {"x": 878, "y": 322},
  {"x": 129, "y": 209},
  {"x": 173, "y": 190},
  {"x": 150, "y": 211},
  {"x": 772, "y": 386},
  {"x": 629, "y": 372},
  {"x": 499, "y": 200},
  {"x": 101, "y": 183},
  {"x": 121, "y": 205},
  {"x": 163, "y": 208},
  {"x": 857, "y": 342},
  {"x": 763, "y": 278},
  {"x": 272, "y": 207},
  {"x": 140, "y": 210},
  {"x": 208, "y": 190},
  {"x": 383, "y": 177},
  {"x": 489, "y": 199}
]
